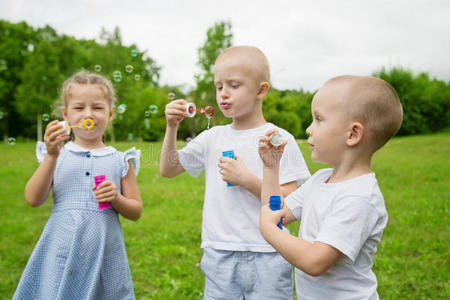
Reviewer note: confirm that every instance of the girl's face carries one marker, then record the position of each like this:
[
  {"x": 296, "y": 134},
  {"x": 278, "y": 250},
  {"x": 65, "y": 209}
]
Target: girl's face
[{"x": 88, "y": 101}]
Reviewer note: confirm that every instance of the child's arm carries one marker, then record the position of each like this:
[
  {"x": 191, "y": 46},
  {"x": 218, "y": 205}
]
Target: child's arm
[
  {"x": 311, "y": 258},
  {"x": 235, "y": 172},
  {"x": 169, "y": 162},
  {"x": 128, "y": 203},
  {"x": 38, "y": 187}
]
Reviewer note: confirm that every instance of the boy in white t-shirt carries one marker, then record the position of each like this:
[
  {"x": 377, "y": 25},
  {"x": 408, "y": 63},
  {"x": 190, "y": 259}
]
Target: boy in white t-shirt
[
  {"x": 342, "y": 210},
  {"x": 237, "y": 262}
]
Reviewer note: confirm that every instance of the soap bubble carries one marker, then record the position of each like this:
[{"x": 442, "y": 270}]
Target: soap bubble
[
  {"x": 11, "y": 141},
  {"x": 97, "y": 68},
  {"x": 121, "y": 108},
  {"x": 171, "y": 96},
  {"x": 147, "y": 113},
  {"x": 30, "y": 47},
  {"x": 3, "y": 65},
  {"x": 130, "y": 136},
  {"x": 117, "y": 76},
  {"x": 137, "y": 77},
  {"x": 153, "y": 109},
  {"x": 1, "y": 115},
  {"x": 129, "y": 68},
  {"x": 45, "y": 117},
  {"x": 134, "y": 53}
]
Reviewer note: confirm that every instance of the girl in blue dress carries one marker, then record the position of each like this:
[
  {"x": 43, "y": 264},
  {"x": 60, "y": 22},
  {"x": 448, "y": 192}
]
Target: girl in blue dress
[{"x": 81, "y": 252}]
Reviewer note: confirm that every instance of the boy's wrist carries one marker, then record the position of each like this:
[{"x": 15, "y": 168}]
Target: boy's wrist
[
  {"x": 172, "y": 126},
  {"x": 273, "y": 168}
]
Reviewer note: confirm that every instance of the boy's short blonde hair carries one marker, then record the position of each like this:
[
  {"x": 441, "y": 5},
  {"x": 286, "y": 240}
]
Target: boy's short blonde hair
[
  {"x": 374, "y": 103},
  {"x": 254, "y": 59}
]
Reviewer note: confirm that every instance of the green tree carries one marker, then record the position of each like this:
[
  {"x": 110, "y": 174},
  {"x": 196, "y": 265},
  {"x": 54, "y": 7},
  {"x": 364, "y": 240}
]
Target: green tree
[
  {"x": 16, "y": 40},
  {"x": 425, "y": 101},
  {"x": 41, "y": 78},
  {"x": 218, "y": 38}
]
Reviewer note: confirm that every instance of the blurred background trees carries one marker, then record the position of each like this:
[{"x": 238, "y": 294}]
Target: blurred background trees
[{"x": 34, "y": 62}]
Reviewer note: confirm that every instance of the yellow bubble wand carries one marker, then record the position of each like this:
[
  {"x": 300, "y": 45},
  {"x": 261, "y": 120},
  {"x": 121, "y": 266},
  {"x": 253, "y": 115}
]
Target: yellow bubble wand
[{"x": 87, "y": 123}]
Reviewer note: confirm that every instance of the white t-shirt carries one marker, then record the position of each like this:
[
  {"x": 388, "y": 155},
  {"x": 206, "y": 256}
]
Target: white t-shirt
[
  {"x": 231, "y": 214},
  {"x": 350, "y": 216}
]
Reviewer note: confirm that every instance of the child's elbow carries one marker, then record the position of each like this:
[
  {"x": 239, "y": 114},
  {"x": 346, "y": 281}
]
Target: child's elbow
[
  {"x": 165, "y": 173},
  {"x": 314, "y": 268},
  {"x": 32, "y": 204},
  {"x": 31, "y": 201},
  {"x": 315, "y": 271}
]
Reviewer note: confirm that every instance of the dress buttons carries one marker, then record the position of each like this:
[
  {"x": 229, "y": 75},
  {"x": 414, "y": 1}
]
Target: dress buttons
[
  {"x": 87, "y": 173},
  {"x": 88, "y": 155}
]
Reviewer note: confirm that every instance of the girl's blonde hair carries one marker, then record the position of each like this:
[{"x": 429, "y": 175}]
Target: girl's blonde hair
[{"x": 85, "y": 77}]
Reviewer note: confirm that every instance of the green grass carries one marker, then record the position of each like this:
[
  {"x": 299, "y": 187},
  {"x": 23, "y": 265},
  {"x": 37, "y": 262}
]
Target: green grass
[{"x": 164, "y": 245}]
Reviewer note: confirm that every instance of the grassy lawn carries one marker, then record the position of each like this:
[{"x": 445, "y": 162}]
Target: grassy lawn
[{"x": 164, "y": 245}]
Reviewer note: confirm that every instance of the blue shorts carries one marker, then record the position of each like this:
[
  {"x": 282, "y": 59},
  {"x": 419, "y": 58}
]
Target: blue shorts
[{"x": 246, "y": 275}]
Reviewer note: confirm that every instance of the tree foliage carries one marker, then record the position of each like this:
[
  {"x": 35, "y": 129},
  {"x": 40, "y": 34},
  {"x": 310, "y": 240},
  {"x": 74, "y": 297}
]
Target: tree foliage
[{"x": 425, "y": 101}]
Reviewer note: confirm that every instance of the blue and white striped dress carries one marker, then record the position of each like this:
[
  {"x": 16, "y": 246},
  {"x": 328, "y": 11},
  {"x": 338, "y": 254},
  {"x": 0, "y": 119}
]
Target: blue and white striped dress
[{"x": 81, "y": 252}]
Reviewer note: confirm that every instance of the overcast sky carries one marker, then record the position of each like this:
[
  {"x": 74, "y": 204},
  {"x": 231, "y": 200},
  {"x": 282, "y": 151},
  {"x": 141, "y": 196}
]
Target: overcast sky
[{"x": 306, "y": 42}]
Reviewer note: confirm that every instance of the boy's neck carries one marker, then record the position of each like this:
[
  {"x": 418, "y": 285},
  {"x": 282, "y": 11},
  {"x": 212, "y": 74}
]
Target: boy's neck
[
  {"x": 350, "y": 168},
  {"x": 248, "y": 122}
]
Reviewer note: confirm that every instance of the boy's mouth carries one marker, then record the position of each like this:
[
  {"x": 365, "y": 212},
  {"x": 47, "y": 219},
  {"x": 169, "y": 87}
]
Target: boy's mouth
[{"x": 225, "y": 105}]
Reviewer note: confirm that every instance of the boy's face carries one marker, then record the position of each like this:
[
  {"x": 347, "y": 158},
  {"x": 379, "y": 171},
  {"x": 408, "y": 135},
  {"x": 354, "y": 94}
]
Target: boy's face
[
  {"x": 236, "y": 87},
  {"x": 329, "y": 129}
]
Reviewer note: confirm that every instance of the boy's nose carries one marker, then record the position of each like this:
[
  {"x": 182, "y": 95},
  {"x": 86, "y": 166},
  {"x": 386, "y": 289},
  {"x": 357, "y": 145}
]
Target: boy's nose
[
  {"x": 224, "y": 93},
  {"x": 308, "y": 130}
]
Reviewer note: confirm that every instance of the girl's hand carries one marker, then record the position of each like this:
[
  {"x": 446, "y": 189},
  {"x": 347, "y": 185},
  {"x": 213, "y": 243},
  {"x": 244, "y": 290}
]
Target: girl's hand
[
  {"x": 175, "y": 112},
  {"x": 233, "y": 171},
  {"x": 106, "y": 192},
  {"x": 270, "y": 155},
  {"x": 54, "y": 138}
]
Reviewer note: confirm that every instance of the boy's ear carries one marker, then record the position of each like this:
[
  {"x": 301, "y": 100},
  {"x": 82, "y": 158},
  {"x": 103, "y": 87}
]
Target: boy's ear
[
  {"x": 355, "y": 134},
  {"x": 263, "y": 90}
]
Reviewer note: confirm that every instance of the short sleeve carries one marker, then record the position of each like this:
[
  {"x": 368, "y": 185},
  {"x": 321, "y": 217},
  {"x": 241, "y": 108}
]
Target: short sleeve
[
  {"x": 292, "y": 165},
  {"x": 41, "y": 151},
  {"x": 134, "y": 156},
  {"x": 296, "y": 199},
  {"x": 193, "y": 156},
  {"x": 349, "y": 224}
]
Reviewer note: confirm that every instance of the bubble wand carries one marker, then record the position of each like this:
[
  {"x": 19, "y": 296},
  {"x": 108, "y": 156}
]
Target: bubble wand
[
  {"x": 191, "y": 109},
  {"x": 87, "y": 123}
]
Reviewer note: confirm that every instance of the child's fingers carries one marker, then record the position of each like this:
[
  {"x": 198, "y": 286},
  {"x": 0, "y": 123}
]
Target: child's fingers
[
  {"x": 179, "y": 102},
  {"x": 175, "y": 112},
  {"x": 105, "y": 197},
  {"x": 271, "y": 131},
  {"x": 264, "y": 141},
  {"x": 225, "y": 159},
  {"x": 51, "y": 128}
]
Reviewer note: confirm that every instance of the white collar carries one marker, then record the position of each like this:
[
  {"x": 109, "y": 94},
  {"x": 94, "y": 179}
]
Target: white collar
[{"x": 96, "y": 152}]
